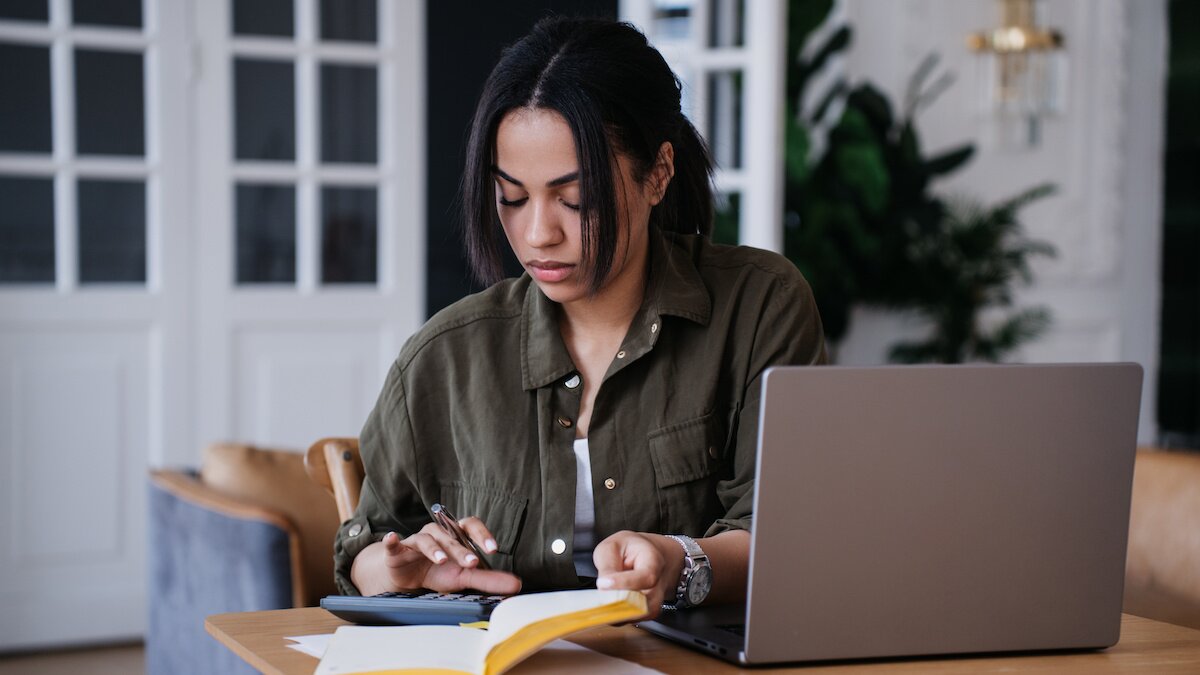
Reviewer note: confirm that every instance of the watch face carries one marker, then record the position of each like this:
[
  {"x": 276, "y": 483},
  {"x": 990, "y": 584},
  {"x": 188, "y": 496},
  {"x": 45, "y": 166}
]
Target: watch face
[{"x": 699, "y": 585}]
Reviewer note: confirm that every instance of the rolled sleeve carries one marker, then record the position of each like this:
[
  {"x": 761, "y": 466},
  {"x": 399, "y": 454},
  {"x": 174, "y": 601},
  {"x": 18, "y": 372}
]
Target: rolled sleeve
[
  {"x": 389, "y": 501},
  {"x": 789, "y": 333}
]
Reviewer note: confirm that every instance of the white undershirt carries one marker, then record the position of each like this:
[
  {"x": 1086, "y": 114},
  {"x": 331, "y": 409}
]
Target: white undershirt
[{"x": 585, "y": 511}]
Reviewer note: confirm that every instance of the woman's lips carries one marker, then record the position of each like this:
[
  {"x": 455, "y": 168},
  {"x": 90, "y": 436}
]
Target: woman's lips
[{"x": 549, "y": 271}]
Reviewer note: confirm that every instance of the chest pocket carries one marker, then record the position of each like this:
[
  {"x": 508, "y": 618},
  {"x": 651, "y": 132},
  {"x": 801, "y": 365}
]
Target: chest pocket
[
  {"x": 502, "y": 512},
  {"x": 687, "y": 464}
]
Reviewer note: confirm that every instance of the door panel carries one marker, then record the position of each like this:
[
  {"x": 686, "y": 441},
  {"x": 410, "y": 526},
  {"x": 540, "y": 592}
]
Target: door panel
[
  {"x": 296, "y": 385},
  {"x": 75, "y": 408}
]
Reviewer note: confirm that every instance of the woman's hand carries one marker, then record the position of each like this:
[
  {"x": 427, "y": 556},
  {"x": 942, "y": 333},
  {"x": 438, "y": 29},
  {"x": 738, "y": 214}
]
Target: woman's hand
[
  {"x": 650, "y": 563},
  {"x": 430, "y": 559}
]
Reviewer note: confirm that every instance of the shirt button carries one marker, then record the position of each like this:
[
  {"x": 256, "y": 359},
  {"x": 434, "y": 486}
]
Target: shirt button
[
  {"x": 712, "y": 451},
  {"x": 621, "y": 354},
  {"x": 558, "y": 546},
  {"x": 573, "y": 382},
  {"x": 565, "y": 422},
  {"x": 610, "y": 483},
  {"x": 355, "y": 530}
]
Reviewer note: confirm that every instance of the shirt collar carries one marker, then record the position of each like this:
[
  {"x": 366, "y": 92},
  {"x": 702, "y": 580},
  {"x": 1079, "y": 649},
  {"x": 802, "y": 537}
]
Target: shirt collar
[{"x": 675, "y": 288}]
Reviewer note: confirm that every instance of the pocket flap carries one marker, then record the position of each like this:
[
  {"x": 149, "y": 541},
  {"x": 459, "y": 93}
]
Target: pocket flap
[
  {"x": 502, "y": 512},
  {"x": 686, "y": 451}
]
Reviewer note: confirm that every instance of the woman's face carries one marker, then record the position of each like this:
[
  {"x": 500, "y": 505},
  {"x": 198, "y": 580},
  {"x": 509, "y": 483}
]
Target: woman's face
[{"x": 537, "y": 197}]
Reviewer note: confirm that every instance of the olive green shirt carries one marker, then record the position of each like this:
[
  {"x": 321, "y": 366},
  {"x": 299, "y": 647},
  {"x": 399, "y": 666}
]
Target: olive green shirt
[{"x": 478, "y": 411}]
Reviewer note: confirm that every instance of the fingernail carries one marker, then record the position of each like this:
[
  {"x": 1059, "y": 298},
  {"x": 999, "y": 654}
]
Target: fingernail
[
  {"x": 470, "y": 558},
  {"x": 604, "y": 582},
  {"x": 490, "y": 545},
  {"x": 439, "y": 557}
]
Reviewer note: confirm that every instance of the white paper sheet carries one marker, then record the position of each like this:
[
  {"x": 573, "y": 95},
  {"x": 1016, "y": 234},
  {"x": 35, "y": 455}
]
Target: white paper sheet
[
  {"x": 558, "y": 656},
  {"x": 313, "y": 645}
]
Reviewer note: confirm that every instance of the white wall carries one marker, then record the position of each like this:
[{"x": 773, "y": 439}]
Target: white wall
[{"x": 1103, "y": 152}]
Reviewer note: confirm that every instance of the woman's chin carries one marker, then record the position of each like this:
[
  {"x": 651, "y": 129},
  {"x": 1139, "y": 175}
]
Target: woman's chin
[{"x": 560, "y": 292}]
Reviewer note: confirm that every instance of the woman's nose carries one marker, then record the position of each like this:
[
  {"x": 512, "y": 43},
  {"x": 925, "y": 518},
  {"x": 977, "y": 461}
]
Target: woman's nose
[{"x": 544, "y": 227}]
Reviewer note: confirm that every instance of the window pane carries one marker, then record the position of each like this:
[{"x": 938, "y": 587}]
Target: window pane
[
  {"x": 26, "y": 229},
  {"x": 724, "y": 131},
  {"x": 123, "y": 13},
  {"x": 727, "y": 218},
  {"x": 266, "y": 234},
  {"x": 24, "y": 98},
  {"x": 349, "y": 227},
  {"x": 349, "y": 115},
  {"x": 112, "y": 231},
  {"x": 264, "y": 17},
  {"x": 109, "y": 118},
  {"x": 265, "y": 109},
  {"x": 672, "y": 20},
  {"x": 726, "y": 23},
  {"x": 25, "y": 10},
  {"x": 354, "y": 20}
]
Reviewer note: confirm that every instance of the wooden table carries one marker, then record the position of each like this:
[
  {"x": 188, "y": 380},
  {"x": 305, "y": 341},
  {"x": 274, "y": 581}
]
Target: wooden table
[{"x": 1146, "y": 646}]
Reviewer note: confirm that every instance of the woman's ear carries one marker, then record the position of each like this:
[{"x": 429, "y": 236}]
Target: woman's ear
[{"x": 662, "y": 173}]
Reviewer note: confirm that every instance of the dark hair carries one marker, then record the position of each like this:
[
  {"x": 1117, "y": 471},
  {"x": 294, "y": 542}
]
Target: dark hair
[{"x": 617, "y": 94}]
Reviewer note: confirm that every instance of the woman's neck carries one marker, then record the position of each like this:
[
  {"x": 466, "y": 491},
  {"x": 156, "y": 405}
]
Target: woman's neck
[{"x": 610, "y": 311}]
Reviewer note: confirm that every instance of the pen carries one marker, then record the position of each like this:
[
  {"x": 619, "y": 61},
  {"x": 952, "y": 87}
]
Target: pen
[{"x": 444, "y": 519}]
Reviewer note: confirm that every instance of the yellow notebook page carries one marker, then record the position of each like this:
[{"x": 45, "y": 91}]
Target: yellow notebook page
[{"x": 536, "y": 635}]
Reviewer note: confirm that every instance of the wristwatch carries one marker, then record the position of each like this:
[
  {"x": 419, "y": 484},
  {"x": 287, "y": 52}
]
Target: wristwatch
[{"x": 695, "y": 581}]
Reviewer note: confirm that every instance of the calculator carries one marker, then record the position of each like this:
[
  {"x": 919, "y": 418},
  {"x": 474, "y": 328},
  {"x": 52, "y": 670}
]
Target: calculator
[{"x": 412, "y": 608}]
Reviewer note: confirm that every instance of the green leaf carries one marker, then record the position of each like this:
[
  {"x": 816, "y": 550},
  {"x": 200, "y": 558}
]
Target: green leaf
[
  {"x": 796, "y": 148},
  {"x": 874, "y": 104},
  {"x": 862, "y": 168},
  {"x": 949, "y": 161},
  {"x": 837, "y": 42}
]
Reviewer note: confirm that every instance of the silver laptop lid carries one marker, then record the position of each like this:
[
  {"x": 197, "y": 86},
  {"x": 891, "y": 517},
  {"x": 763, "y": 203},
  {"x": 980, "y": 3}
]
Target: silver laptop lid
[{"x": 940, "y": 509}]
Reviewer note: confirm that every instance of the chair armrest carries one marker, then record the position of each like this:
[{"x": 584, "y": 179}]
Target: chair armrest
[{"x": 187, "y": 487}]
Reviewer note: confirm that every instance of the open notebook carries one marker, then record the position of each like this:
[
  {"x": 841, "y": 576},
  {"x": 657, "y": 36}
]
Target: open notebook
[{"x": 519, "y": 627}]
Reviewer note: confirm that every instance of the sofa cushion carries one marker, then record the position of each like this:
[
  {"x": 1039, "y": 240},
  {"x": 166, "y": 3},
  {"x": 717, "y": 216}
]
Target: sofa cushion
[{"x": 276, "y": 479}]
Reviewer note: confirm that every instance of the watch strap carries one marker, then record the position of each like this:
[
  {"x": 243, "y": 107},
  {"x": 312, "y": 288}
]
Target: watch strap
[{"x": 693, "y": 558}]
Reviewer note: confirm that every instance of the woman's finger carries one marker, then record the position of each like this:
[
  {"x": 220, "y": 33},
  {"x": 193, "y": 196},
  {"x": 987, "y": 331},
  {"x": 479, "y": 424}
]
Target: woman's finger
[
  {"x": 428, "y": 546},
  {"x": 398, "y": 554},
  {"x": 494, "y": 582},
  {"x": 450, "y": 546},
  {"x": 631, "y": 580},
  {"x": 479, "y": 533}
]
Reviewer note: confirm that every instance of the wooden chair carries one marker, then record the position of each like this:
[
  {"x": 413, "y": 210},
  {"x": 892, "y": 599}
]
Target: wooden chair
[{"x": 336, "y": 465}]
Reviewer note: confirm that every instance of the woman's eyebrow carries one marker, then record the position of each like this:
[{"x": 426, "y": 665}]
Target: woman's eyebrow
[{"x": 561, "y": 180}]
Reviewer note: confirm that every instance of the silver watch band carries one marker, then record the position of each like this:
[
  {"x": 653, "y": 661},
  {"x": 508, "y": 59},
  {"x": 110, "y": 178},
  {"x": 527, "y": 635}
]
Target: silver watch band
[{"x": 693, "y": 558}]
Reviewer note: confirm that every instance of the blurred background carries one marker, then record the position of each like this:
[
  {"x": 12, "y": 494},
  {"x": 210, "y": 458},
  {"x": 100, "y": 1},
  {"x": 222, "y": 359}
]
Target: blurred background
[{"x": 219, "y": 220}]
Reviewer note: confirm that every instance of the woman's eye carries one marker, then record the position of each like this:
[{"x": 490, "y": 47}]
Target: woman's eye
[
  {"x": 515, "y": 202},
  {"x": 569, "y": 205}
]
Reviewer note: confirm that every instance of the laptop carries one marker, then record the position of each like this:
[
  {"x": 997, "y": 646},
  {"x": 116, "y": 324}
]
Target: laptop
[{"x": 921, "y": 510}]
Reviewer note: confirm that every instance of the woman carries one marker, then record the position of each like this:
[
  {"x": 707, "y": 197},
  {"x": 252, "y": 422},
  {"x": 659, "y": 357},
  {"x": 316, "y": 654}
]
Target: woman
[{"x": 598, "y": 415}]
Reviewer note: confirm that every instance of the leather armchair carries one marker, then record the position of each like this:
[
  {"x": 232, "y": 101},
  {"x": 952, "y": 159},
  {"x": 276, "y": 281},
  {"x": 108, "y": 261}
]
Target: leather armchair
[{"x": 249, "y": 531}]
